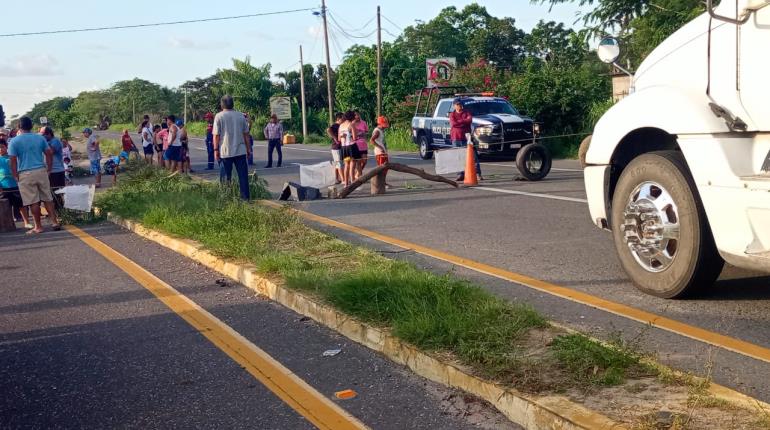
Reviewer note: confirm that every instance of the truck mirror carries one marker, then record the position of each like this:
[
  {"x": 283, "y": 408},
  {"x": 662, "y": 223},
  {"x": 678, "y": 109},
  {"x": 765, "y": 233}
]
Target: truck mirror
[{"x": 608, "y": 50}]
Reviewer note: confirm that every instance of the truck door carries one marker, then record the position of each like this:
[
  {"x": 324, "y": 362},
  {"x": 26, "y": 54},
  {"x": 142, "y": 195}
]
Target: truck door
[
  {"x": 753, "y": 67},
  {"x": 440, "y": 128}
]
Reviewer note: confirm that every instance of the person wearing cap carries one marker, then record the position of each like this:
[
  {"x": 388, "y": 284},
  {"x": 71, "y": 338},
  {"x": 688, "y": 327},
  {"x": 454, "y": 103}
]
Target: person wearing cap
[
  {"x": 273, "y": 133},
  {"x": 378, "y": 142},
  {"x": 94, "y": 155},
  {"x": 209, "y": 117},
  {"x": 30, "y": 158},
  {"x": 460, "y": 121}
]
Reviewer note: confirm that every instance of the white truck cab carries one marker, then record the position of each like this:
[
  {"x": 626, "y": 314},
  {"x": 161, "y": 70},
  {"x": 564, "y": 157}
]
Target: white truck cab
[{"x": 679, "y": 170}]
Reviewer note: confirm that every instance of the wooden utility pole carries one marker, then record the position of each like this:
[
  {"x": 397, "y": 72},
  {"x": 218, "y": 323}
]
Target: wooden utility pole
[
  {"x": 379, "y": 64},
  {"x": 329, "y": 74},
  {"x": 185, "y": 106},
  {"x": 302, "y": 90}
]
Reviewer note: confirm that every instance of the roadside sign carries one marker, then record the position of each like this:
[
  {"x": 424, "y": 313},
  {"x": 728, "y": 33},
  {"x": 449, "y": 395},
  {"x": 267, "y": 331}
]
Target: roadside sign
[
  {"x": 43, "y": 120},
  {"x": 281, "y": 106},
  {"x": 440, "y": 70}
]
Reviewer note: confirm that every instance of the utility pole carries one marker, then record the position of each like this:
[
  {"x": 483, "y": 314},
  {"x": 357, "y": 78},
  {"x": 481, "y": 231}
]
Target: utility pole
[
  {"x": 302, "y": 90},
  {"x": 185, "y": 106},
  {"x": 133, "y": 109},
  {"x": 329, "y": 74},
  {"x": 379, "y": 64}
]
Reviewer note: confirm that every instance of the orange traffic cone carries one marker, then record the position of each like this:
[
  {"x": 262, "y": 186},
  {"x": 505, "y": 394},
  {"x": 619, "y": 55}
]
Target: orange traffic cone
[{"x": 471, "y": 179}]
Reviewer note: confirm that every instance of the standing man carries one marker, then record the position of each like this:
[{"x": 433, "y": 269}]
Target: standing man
[
  {"x": 94, "y": 155},
  {"x": 31, "y": 160},
  {"x": 231, "y": 144},
  {"x": 56, "y": 176},
  {"x": 250, "y": 142},
  {"x": 273, "y": 134},
  {"x": 174, "y": 150},
  {"x": 460, "y": 121},
  {"x": 209, "y": 117}
]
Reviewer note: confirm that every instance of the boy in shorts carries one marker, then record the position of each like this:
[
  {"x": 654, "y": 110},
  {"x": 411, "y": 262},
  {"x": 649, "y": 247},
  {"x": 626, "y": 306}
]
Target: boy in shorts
[
  {"x": 94, "y": 155},
  {"x": 112, "y": 165},
  {"x": 9, "y": 186},
  {"x": 378, "y": 142}
]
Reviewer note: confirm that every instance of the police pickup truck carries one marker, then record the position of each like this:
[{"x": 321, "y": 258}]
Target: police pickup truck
[{"x": 498, "y": 128}]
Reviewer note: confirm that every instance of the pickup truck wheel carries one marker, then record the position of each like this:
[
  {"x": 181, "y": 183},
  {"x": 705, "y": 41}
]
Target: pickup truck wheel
[
  {"x": 534, "y": 161},
  {"x": 426, "y": 152},
  {"x": 660, "y": 228}
]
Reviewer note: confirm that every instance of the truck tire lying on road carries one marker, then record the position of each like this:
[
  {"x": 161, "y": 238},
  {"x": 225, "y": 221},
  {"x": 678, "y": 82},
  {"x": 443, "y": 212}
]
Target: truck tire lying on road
[
  {"x": 660, "y": 228},
  {"x": 534, "y": 161},
  {"x": 426, "y": 153}
]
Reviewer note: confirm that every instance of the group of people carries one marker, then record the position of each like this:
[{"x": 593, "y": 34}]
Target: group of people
[
  {"x": 166, "y": 144},
  {"x": 350, "y": 144},
  {"x": 32, "y": 167}
]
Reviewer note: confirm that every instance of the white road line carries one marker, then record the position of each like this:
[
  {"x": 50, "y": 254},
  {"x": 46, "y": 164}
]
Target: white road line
[
  {"x": 538, "y": 195},
  {"x": 558, "y": 169}
]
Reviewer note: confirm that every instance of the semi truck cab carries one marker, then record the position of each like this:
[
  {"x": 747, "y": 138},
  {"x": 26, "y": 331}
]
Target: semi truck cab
[{"x": 679, "y": 170}]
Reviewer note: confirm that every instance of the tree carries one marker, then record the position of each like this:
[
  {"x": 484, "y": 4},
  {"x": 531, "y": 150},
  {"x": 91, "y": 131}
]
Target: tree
[
  {"x": 466, "y": 34},
  {"x": 203, "y": 95},
  {"x": 50, "y": 109},
  {"x": 315, "y": 86},
  {"x": 357, "y": 78},
  {"x": 137, "y": 97},
  {"x": 249, "y": 85},
  {"x": 91, "y": 106}
]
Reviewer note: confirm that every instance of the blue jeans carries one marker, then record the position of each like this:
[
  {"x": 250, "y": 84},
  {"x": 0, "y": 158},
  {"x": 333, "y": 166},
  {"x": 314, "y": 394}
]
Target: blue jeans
[
  {"x": 463, "y": 144},
  {"x": 251, "y": 150},
  {"x": 210, "y": 150},
  {"x": 241, "y": 168},
  {"x": 271, "y": 145}
]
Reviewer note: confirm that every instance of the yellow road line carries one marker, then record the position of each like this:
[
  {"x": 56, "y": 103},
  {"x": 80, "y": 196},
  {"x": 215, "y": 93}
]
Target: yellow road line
[
  {"x": 295, "y": 392},
  {"x": 712, "y": 338}
]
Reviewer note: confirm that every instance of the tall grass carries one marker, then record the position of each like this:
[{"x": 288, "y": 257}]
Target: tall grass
[
  {"x": 109, "y": 146},
  {"x": 400, "y": 139},
  {"x": 123, "y": 126}
]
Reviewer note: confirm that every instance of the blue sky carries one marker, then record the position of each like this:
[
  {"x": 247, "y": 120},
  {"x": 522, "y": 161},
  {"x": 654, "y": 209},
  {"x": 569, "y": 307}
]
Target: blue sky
[{"x": 36, "y": 68}]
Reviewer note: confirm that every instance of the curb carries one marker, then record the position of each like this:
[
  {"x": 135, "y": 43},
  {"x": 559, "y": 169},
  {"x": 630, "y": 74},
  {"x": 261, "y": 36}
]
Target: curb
[{"x": 531, "y": 412}]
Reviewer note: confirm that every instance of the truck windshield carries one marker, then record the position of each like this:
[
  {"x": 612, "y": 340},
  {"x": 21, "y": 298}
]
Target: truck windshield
[{"x": 489, "y": 106}]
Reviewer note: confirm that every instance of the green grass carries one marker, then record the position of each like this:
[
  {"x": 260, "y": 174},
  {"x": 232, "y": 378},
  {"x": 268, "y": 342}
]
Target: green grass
[
  {"x": 591, "y": 363},
  {"x": 196, "y": 128},
  {"x": 437, "y": 313},
  {"x": 120, "y": 127},
  {"x": 109, "y": 146},
  {"x": 400, "y": 139}
]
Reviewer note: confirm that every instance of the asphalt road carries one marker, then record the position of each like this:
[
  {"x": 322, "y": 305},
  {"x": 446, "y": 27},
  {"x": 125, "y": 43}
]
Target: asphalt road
[
  {"x": 83, "y": 345},
  {"x": 543, "y": 230}
]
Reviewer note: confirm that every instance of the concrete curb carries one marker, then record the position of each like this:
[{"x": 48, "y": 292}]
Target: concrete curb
[{"x": 531, "y": 412}]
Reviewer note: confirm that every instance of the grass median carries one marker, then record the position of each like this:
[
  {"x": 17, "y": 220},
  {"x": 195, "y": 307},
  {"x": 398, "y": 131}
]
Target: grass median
[{"x": 437, "y": 313}]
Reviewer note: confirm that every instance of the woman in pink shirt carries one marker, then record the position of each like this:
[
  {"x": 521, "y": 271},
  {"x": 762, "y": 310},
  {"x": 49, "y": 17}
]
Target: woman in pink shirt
[{"x": 362, "y": 129}]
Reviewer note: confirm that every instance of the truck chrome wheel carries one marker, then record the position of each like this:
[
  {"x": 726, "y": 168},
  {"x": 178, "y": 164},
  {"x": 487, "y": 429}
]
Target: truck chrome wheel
[
  {"x": 660, "y": 229},
  {"x": 651, "y": 226}
]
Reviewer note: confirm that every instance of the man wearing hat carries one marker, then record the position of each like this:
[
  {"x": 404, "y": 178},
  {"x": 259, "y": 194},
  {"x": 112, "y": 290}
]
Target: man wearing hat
[
  {"x": 460, "y": 121},
  {"x": 209, "y": 117}
]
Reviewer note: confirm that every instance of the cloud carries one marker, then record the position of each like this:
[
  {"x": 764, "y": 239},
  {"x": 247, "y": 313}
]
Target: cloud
[
  {"x": 187, "y": 43},
  {"x": 30, "y": 65},
  {"x": 315, "y": 30}
]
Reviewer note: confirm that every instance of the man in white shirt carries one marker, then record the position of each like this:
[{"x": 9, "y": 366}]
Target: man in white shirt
[{"x": 231, "y": 137}]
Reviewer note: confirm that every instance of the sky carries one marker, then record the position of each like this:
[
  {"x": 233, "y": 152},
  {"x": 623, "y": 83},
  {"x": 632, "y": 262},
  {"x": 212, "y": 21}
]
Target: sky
[{"x": 37, "y": 68}]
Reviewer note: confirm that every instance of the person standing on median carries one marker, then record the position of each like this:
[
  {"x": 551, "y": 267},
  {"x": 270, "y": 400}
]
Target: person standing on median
[
  {"x": 460, "y": 121},
  {"x": 31, "y": 160},
  {"x": 9, "y": 189},
  {"x": 56, "y": 176},
  {"x": 174, "y": 150},
  {"x": 274, "y": 133},
  {"x": 333, "y": 133},
  {"x": 231, "y": 139},
  {"x": 94, "y": 155},
  {"x": 209, "y": 117},
  {"x": 380, "y": 146}
]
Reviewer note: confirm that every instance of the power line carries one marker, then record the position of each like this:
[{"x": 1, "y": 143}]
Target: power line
[
  {"x": 348, "y": 35},
  {"x": 156, "y": 24},
  {"x": 391, "y": 21},
  {"x": 356, "y": 30}
]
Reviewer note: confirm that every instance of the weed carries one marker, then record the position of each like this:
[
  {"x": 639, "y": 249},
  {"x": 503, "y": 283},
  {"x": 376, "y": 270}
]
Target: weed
[{"x": 592, "y": 363}]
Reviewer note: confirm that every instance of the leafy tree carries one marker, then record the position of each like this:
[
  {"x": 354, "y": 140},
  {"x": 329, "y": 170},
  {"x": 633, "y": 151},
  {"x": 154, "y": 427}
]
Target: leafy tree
[
  {"x": 134, "y": 98},
  {"x": 91, "y": 106},
  {"x": 465, "y": 34},
  {"x": 50, "y": 108},
  {"x": 203, "y": 95},
  {"x": 249, "y": 85},
  {"x": 315, "y": 86},
  {"x": 357, "y": 78}
]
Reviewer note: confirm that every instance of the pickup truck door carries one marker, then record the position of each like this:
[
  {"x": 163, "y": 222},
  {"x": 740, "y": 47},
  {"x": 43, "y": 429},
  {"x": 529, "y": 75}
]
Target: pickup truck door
[
  {"x": 440, "y": 128},
  {"x": 753, "y": 62}
]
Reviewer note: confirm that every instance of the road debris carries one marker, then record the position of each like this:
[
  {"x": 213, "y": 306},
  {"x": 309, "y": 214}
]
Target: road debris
[
  {"x": 345, "y": 394},
  {"x": 331, "y": 352}
]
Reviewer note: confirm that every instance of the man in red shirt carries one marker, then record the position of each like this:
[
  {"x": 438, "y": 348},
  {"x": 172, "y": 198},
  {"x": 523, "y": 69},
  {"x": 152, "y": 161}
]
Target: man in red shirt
[
  {"x": 460, "y": 121},
  {"x": 128, "y": 143}
]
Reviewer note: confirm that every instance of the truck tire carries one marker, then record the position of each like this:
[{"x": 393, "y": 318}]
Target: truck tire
[
  {"x": 660, "y": 228},
  {"x": 534, "y": 161},
  {"x": 426, "y": 152}
]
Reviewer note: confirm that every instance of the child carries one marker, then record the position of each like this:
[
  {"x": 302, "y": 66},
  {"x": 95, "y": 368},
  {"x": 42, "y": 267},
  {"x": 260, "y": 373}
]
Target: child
[
  {"x": 378, "y": 141},
  {"x": 112, "y": 164},
  {"x": 9, "y": 189},
  {"x": 67, "y": 170}
]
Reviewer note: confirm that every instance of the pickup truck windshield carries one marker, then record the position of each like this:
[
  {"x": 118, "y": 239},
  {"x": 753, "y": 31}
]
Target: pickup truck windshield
[{"x": 488, "y": 106}]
